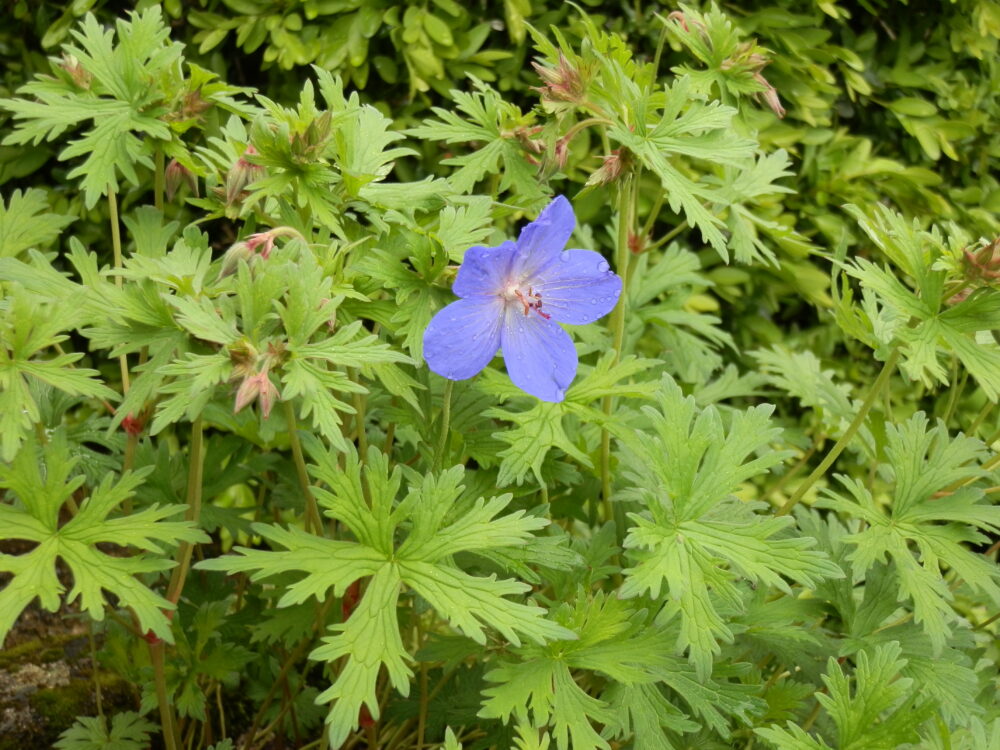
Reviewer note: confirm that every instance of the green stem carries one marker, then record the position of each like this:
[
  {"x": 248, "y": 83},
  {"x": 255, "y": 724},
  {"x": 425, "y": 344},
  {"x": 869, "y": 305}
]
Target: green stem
[
  {"x": 659, "y": 53},
  {"x": 167, "y": 720},
  {"x": 116, "y": 247},
  {"x": 98, "y": 697},
  {"x": 424, "y": 701},
  {"x": 980, "y": 418},
  {"x": 158, "y": 179},
  {"x": 625, "y": 210},
  {"x": 794, "y": 471},
  {"x": 987, "y": 621},
  {"x": 360, "y": 405},
  {"x": 313, "y": 521},
  {"x": 667, "y": 237},
  {"x": 654, "y": 212},
  {"x": 585, "y": 123},
  {"x": 196, "y": 467},
  {"x": 957, "y": 386},
  {"x": 442, "y": 446},
  {"x": 880, "y": 382}
]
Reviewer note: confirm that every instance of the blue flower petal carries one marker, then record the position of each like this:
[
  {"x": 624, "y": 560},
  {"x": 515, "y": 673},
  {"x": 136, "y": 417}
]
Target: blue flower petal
[
  {"x": 540, "y": 356},
  {"x": 463, "y": 337},
  {"x": 578, "y": 288},
  {"x": 484, "y": 270},
  {"x": 543, "y": 239}
]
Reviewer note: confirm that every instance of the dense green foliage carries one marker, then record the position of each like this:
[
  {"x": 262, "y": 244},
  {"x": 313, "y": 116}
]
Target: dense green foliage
[{"x": 762, "y": 516}]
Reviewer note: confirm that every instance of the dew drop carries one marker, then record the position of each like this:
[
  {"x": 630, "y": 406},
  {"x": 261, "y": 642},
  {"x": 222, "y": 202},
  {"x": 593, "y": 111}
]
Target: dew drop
[
  {"x": 593, "y": 300},
  {"x": 560, "y": 394},
  {"x": 564, "y": 256},
  {"x": 603, "y": 266}
]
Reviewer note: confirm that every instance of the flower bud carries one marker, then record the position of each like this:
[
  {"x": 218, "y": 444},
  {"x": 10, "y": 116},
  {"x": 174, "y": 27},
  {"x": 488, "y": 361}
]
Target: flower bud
[
  {"x": 175, "y": 175},
  {"x": 76, "y": 71},
  {"x": 564, "y": 83},
  {"x": 614, "y": 165},
  {"x": 231, "y": 260},
  {"x": 258, "y": 387},
  {"x": 980, "y": 267},
  {"x": 242, "y": 174}
]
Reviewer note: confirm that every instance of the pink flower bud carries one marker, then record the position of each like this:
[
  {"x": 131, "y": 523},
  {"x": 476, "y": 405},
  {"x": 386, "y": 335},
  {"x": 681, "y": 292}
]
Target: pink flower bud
[
  {"x": 175, "y": 175},
  {"x": 258, "y": 387},
  {"x": 242, "y": 173},
  {"x": 564, "y": 83}
]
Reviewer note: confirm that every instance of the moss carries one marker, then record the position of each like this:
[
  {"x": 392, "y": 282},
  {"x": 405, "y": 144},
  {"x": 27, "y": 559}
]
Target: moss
[
  {"x": 58, "y": 707},
  {"x": 36, "y": 651}
]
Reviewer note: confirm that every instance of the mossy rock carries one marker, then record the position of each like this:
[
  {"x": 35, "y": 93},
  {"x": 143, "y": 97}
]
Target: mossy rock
[{"x": 38, "y": 701}]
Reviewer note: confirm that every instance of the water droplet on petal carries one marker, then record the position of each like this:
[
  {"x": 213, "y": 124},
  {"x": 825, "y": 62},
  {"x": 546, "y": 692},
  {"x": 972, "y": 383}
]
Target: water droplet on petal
[
  {"x": 603, "y": 266},
  {"x": 560, "y": 394},
  {"x": 593, "y": 300},
  {"x": 564, "y": 256}
]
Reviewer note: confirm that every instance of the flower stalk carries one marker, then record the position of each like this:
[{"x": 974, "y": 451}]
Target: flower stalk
[
  {"x": 880, "y": 382},
  {"x": 313, "y": 521},
  {"x": 626, "y": 210}
]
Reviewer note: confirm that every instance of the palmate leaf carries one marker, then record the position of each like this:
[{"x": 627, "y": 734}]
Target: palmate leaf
[
  {"x": 800, "y": 374},
  {"x": 694, "y": 537},
  {"x": 26, "y": 222},
  {"x": 439, "y": 527},
  {"x": 27, "y": 329},
  {"x": 128, "y": 731},
  {"x": 42, "y": 484},
  {"x": 928, "y": 330},
  {"x": 541, "y": 428},
  {"x": 632, "y": 658},
  {"x": 687, "y": 128},
  {"x": 884, "y": 711},
  {"x": 490, "y": 121},
  {"x": 924, "y": 529},
  {"x": 117, "y": 98}
]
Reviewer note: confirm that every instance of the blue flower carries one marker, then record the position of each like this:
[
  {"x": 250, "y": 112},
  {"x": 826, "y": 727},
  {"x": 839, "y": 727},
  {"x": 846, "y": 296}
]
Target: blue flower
[{"x": 513, "y": 298}]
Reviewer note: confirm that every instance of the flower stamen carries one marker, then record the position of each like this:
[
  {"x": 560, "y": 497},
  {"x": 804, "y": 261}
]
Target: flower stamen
[{"x": 531, "y": 301}]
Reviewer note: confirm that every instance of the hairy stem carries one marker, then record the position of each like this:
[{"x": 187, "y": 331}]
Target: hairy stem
[
  {"x": 167, "y": 720},
  {"x": 442, "y": 446},
  {"x": 158, "y": 179},
  {"x": 880, "y": 382},
  {"x": 116, "y": 246},
  {"x": 98, "y": 697},
  {"x": 360, "y": 405},
  {"x": 626, "y": 208},
  {"x": 980, "y": 418},
  {"x": 314, "y": 523},
  {"x": 196, "y": 467}
]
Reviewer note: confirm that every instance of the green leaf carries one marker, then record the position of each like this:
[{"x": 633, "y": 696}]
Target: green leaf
[
  {"x": 125, "y": 109},
  {"x": 883, "y": 712},
  {"x": 27, "y": 328},
  {"x": 924, "y": 529},
  {"x": 25, "y": 222},
  {"x": 439, "y": 526},
  {"x": 929, "y": 328},
  {"x": 693, "y": 536},
  {"x": 128, "y": 731},
  {"x": 490, "y": 122},
  {"x": 41, "y": 493}
]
